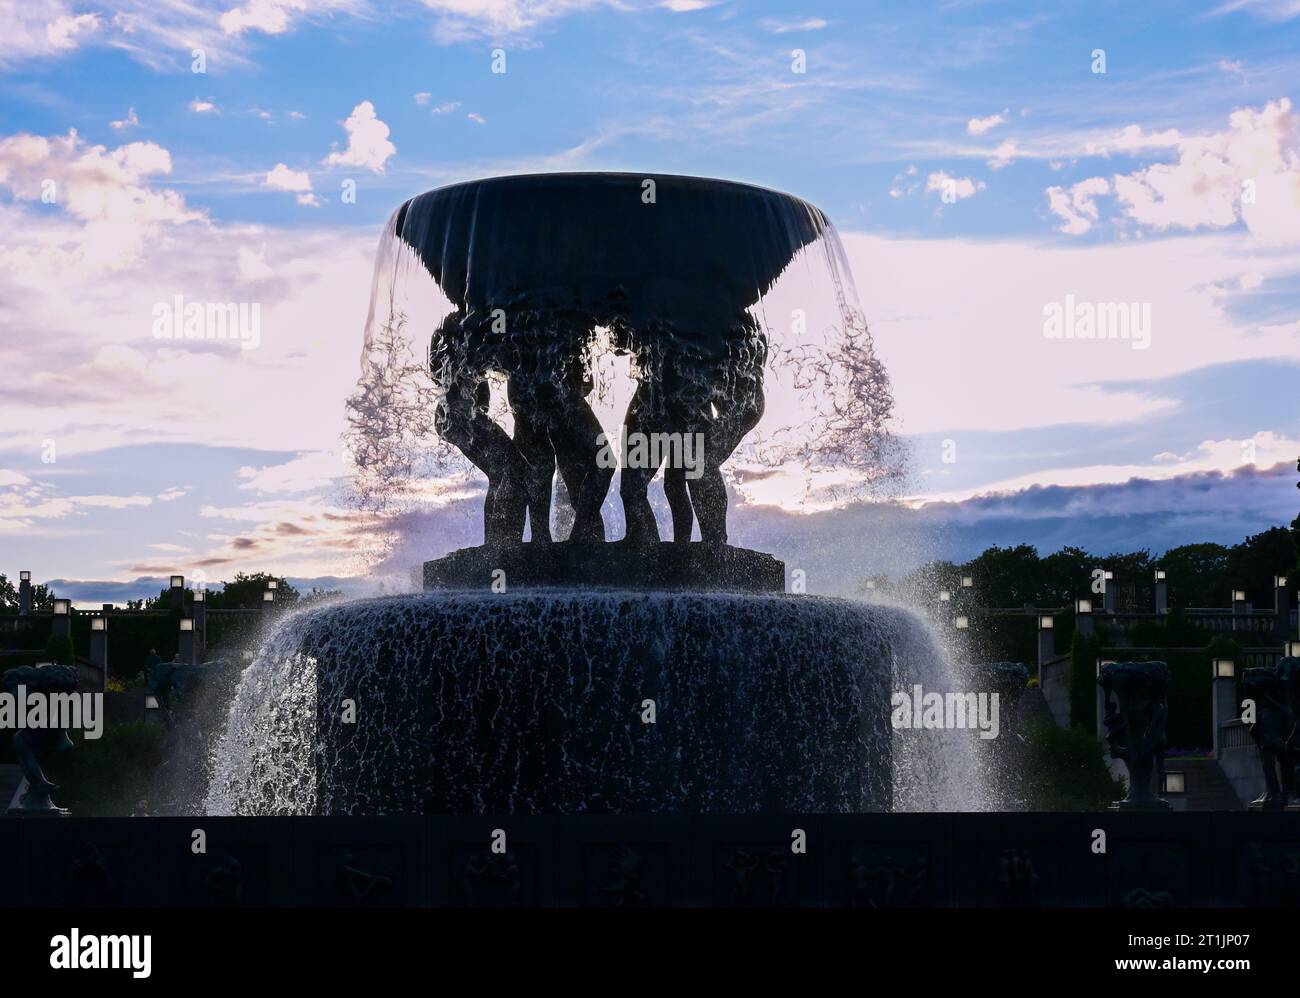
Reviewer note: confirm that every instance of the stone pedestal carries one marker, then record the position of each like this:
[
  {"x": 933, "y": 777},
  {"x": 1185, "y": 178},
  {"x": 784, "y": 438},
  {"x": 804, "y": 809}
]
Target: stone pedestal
[{"x": 662, "y": 566}]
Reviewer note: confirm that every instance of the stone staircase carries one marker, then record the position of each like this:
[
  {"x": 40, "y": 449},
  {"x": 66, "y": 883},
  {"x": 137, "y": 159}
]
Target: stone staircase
[{"x": 1208, "y": 788}]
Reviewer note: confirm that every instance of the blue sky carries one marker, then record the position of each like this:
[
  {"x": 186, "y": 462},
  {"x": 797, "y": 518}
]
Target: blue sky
[{"x": 1172, "y": 179}]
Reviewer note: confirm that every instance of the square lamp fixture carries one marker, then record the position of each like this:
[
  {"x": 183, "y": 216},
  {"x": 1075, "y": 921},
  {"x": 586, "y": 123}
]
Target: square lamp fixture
[
  {"x": 1239, "y": 596},
  {"x": 871, "y": 583},
  {"x": 62, "y": 607},
  {"x": 178, "y": 582},
  {"x": 944, "y": 596},
  {"x": 1083, "y": 606},
  {"x": 1175, "y": 783},
  {"x": 1161, "y": 575},
  {"x": 967, "y": 582},
  {"x": 199, "y": 596},
  {"x": 961, "y": 623},
  {"x": 150, "y": 702},
  {"x": 1224, "y": 668},
  {"x": 1279, "y": 582},
  {"x": 1046, "y": 623},
  {"x": 1108, "y": 575},
  {"x": 187, "y": 624},
  {"x": 1293, "y": 649},
  {"x": 272, "y": 584},
  {"x": 268, "y": 596},
  {"x": 24, "y": 576},
  {"x": 97, "y": 623}
]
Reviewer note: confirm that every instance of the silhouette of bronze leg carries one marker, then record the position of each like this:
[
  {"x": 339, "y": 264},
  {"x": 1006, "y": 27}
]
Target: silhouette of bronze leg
[
  {"x": 466, "y": 425},
  {"x": 574, "y": 434},
  {"x": 679, "y": 502},
  {"x": 634, "y": 483},
  {"x": 736, "y": 417},
  {"x": 535, "y": 448}
]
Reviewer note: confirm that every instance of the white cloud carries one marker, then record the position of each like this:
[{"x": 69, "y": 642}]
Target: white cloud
[
  {"x": 368, "y": 143},
  {"x": 275, "y": 17},
  {"x": 959, "y": 324},
  {"x": 460, "y": 20},
  {"x": 1077, "y": 207},
  {"x": 281, "y": 178},
  {"x": 132, "y": 120},
  {"x": 785, "y": 27},
  {"x": 1248, "y": 173},
  {"x": 478, "y": 119},
  {"x": 445, "y": 108},
  {"x": 978, "y": 126},
  {"x": 107, "y": 190},
  {"x": 423, "y": 98},
  {"x": 953, "y": 188},
  {"x": 200, "y": 106},
  {"x": 305, "y": 473},
  {"x": 65, "y": 31},
  {"x": 1004, "y": 155}
]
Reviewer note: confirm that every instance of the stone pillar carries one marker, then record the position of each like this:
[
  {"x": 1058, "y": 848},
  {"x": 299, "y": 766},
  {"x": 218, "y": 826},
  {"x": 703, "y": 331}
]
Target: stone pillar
[
  {"x": 99, "y": 648},
  {"x": 24, "y": 593},
  {"x": 1223, "y": 696},
  {"x": 1162, "y": 592}
]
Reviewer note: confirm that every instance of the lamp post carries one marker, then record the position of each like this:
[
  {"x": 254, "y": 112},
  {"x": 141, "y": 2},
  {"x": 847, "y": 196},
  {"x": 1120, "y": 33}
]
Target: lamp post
[
  {"x": 1083, "y": 622},
  {"x": 178, "y": 592},
  {"x": 1162, "y": 591},
  {"x": 99, "y": 649},
  {"x": 200, "y": 612},
  {"x": 62, "y": 627},
  {"x": 185, "y": 642},
  {"x": 24, "y": 593},
  {"x": 1109, "y": 592},
  {"x": 1281, "y": 605},
  {"x": 1046, "y": 642},
  {"x": 268, "y": 603},
  {"x": 1223, "y": 697}
]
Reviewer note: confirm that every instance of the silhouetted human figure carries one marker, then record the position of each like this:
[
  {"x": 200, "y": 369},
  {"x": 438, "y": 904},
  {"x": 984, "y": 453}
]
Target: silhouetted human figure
[{"x": 462, "y": 419}]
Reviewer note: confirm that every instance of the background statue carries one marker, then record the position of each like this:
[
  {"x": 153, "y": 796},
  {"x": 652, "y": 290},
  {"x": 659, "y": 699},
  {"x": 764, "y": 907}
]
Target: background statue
[
  {"x": 1274, "y": 693},
  {"x": 35, "y": 747},
  {"x": 1136, "y": 724}
]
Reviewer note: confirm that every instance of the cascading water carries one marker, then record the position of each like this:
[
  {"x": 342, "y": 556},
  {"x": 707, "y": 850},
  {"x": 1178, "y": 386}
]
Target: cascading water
[{"x": 536, "y": 702}]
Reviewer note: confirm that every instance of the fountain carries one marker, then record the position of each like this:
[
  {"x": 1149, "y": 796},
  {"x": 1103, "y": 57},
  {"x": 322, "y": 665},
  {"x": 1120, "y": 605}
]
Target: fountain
[{"x": 540, "y": 674}]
